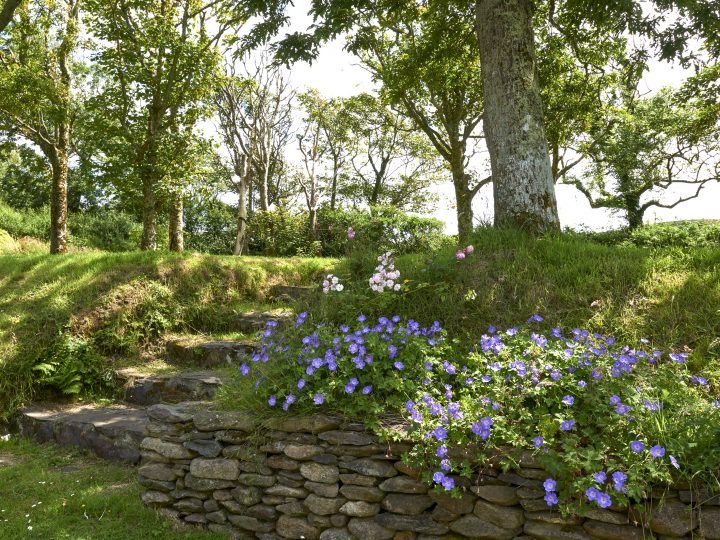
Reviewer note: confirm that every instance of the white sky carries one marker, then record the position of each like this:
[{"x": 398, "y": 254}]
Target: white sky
[{"x": 338, "y": 73}]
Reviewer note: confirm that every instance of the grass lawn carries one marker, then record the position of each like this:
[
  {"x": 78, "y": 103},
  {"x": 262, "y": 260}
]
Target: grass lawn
[{"x": 53, "y": 493}]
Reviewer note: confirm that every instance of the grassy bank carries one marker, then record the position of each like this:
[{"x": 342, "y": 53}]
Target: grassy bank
[
  {"x": 70, "y": 318},
  {"x": 51, "y": 492},
  {"x": 79, "y": 315},
  {"x": 669, "y": 295}
]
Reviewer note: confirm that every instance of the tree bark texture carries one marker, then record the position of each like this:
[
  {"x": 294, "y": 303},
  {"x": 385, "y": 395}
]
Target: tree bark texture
[
  {"x": 149, "y": 172},
  {"x": 241, "y": 236},
  {"x": 177, "y": 238},
  {"x": 463, "y": 195},
  {"x": 513, "y": 119},
  {"x": 59, "y": 192}
]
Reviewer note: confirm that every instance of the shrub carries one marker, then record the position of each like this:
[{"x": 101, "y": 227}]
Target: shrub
[
  {"x": 106, "y": 229},
  {"x": 18, "y": 223},
  {"x": 607, "y": 421}
]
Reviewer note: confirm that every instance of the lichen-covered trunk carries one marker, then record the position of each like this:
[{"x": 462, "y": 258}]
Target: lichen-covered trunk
[
  {"x": 59, "y": 192},
  {"x": 524, "y": 190},
  {"x": 177, "y": 237}
]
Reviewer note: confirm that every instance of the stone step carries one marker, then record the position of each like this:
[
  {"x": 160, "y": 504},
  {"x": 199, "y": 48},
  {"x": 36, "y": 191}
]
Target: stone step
[
  {"x": 197, "y": 352},
  {"x": 253, "y": 321},
  {"x": 291, "y": 293},
  {"x": 112, "y": 433},
  {"x": 143, "y": 389}
]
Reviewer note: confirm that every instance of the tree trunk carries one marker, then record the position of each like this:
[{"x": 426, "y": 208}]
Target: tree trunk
[
  {"x": 148, "y": 174},
  {"x": 59, "y": 193},
  {"x": 7, "y": 12},
  {"x": 241, "y": 236},
  {"x": 634, "y": 211},
  {"x": 333, "y": 189},
  {"x": 312, "y": 222},
  {"x": 263, "y": 193},
  {"x": 463, "y": 196},
  {"x": 177, "y": 239},
  {"x": 513, "y": 120},
  {"x": 149, "y": 237}
]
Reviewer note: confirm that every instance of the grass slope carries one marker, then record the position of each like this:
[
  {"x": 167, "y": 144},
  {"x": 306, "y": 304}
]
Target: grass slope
[
  {"x": 51, "y": 492},
  {"x": 669, "y": 295},
  {"x": 117, "y": 305}
]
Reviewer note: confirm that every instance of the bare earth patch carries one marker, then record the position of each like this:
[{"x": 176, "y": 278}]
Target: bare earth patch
[{"x": 7, "y": 460}]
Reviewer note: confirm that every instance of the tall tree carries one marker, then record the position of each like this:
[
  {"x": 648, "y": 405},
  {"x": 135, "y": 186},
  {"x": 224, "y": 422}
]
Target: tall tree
[
  {"x": 254, "y": 111},
  {"x": 394, "y": 163},
  {"x": 433, "y": 76},
  {"x": 158, "y": 60},
  {"x": 647, "y": 148},
  {"x": 36, "y": 93},
  {"x": 513, "y": 122}
]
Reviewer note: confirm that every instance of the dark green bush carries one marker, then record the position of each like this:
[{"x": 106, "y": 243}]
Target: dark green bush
[
  {"x": 109, "y": 230},
  {"x": 18, "y": 223},
  {"x": 210, "y": 227}
]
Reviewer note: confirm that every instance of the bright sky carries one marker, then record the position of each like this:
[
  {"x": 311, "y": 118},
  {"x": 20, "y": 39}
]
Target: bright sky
[{"x": 338, "y": 73}]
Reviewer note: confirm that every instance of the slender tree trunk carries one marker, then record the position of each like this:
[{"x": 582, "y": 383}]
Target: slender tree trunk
[
  {"x": 513, "y": 120},
  {"x": 333, "y": 186},
  {"x": 149, "y": 236},
  {"x": 240, "y": 237},
  {"x": 375, "y": 195},
  {"x": 7, "y": 12},
  {"x": 59, "y": 193},
  {"x": 177, "y": 238},
  {"x": 463, "y": 195},
  {"x": 148, "y": 175},
  {"x": 312, "y": 222}
]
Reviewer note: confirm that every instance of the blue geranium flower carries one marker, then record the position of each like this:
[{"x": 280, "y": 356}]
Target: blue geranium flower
[
  {"x": 550, "y": 484},
  {"x": 637, "y": 446},
  {"x": 657, "y": 451}
]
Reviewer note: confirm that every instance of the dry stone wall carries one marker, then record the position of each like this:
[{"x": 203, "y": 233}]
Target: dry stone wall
[{"x": 321, "y": 478}]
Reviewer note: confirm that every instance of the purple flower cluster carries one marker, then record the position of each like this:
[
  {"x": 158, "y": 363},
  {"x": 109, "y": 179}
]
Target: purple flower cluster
[{"x": 551, "y": 497}]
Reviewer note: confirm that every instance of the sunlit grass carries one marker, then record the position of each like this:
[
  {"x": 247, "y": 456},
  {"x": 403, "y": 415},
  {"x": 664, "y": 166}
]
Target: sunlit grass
[{"x": 47, "y": 492}]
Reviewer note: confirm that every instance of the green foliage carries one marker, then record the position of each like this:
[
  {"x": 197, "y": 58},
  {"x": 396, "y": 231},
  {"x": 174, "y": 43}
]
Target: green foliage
[
  {"x": 675, "y": 234},
  {"x": 383, "y": 228},
  {"x": 210, "y": 226},
  {"x": 106, "y": 229},
  {"x": 71, "y": 367},
  {"x": 371, "y": 391},
  {"x": 18, "y": 223}
]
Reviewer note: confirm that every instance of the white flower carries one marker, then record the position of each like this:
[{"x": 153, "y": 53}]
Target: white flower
[{"x": 397, "y": 286}]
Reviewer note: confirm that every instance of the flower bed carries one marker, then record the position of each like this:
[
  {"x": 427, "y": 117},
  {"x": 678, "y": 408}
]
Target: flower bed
[{"x": 607, "y": 421}]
